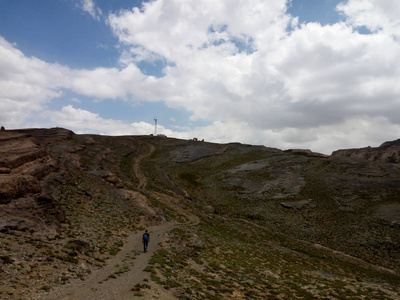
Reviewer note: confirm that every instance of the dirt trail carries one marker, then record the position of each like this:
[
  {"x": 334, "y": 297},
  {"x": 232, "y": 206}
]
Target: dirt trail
[
  {"x": 136, "y": 166},
  {"x": 117, "y": 280},
  {"x": 130, "y": 262},
  {"x": 172, "y": 202}
]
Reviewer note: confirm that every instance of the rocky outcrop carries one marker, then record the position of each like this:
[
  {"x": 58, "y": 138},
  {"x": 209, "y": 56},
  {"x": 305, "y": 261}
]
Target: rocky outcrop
[
  {"x": 40, "y": 214},
  {"x": 388, "y": 152},
  {"x": 23, "y": 162},
  {"x": 14, "y": 186},
  {"x": 106, "y": 175},
  {"x": 17, "y": 149},
  {"x": 46, "y": 137}
]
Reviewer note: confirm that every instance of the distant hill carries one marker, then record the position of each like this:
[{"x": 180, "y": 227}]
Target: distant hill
[
  {"x": 272, "y": 224},
  {"x": 387, "y": 152}
]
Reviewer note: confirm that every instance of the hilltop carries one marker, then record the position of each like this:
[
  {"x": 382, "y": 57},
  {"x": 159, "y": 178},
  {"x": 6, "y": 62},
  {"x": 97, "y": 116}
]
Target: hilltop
[{"x": 229, "y": 221}]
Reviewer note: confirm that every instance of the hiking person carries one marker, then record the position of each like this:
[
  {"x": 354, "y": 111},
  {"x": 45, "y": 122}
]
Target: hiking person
[{"x": 145, "y": 240}]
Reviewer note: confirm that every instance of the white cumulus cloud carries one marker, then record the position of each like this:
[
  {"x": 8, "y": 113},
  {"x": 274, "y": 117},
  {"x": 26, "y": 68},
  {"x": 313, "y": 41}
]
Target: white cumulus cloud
[
  {"x": 84, "y": 121},
  {"x": 246, "y": 67},
  {"x": 236, "y": 63},
  {"x": 26, "y": 84},
  {"x": 376, "y": 15}
]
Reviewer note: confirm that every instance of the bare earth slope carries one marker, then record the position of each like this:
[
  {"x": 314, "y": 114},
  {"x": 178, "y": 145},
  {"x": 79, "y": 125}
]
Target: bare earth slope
[{"x": 227, "y": 221}]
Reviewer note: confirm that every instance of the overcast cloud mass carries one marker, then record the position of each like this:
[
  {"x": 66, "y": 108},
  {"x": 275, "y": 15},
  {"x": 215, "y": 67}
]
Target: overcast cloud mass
[{"x": 247, "y": 71}]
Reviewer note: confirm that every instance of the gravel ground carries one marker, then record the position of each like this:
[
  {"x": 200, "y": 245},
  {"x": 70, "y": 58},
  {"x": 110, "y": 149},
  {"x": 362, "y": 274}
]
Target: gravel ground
[{"x": 128, "y": 269}]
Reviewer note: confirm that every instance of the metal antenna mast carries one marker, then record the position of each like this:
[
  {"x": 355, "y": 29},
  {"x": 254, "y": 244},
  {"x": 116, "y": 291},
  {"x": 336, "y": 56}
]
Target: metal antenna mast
[{"x": 155, "y": 126}]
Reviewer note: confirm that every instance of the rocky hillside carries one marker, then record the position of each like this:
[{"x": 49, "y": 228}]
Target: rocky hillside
[
  {"x": 270, "y": 224},
  {"x": 345, "y": 201},
  {"x": 387, "y": 152}
]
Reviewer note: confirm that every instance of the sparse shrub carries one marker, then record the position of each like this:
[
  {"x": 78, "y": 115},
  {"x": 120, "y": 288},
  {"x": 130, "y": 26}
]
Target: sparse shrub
[
  {"x": 148, "y": 269},
  {"x": 45, "y": 288},
  {"x": 67, "y": 258},
  {"x": 116, "y": 248},
  {"x": 6, "y": 259},
  {"x": 142, "y": 286},
  {"x": 190, "y": 178},
  {"x": 178, "y": 231},
  {"x": 137, "y": 294}
]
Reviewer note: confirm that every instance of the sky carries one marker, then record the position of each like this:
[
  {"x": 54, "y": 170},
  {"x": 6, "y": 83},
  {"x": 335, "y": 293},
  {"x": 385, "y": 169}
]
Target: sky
[{"x": 312, "y": 74}]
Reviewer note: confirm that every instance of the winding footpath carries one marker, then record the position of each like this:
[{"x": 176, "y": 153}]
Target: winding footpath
[
  {"x": 122, "y": 273},
  {"x": 136, "y": 166},
  {"x": 117, "y": 280}
]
